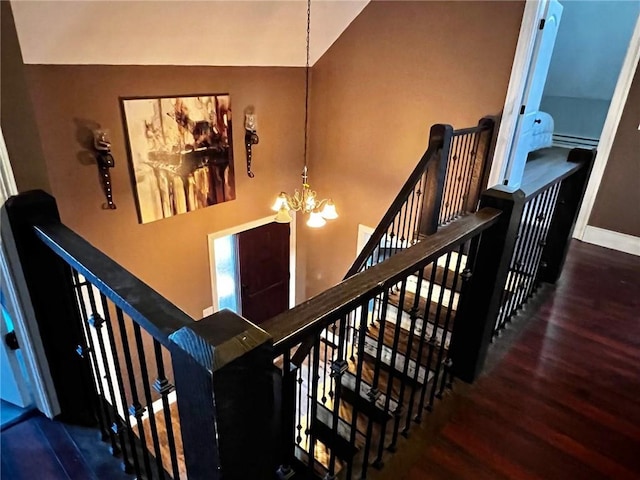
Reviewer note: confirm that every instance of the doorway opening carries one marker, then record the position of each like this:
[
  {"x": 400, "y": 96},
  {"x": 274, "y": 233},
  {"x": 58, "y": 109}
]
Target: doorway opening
[
  {"x": 252, "y": 268},
  {"x": 507, "y": 168}
]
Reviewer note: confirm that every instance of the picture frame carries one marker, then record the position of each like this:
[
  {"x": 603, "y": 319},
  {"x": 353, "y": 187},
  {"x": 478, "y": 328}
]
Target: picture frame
[{"x": 180, "y": 152}]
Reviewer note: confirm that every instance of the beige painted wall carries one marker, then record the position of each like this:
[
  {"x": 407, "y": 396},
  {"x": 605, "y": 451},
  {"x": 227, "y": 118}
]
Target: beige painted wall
[
  {"x": 171, "y": 255},
  {"x": 617, "y": 205},
  {"x": 399, "y": 68},
  {"x": 18, "y": 123}
]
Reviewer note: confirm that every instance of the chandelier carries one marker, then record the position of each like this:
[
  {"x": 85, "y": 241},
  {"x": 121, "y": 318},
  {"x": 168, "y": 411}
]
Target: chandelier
[{"x": 305, "y": 200}]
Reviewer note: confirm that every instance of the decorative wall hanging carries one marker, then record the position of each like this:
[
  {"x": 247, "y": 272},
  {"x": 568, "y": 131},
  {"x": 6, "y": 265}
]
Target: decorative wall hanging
[
  {"x": 102, "y": 144},
  {"x": 250, "y": 135},
  {"x": 180, "y": 153}
]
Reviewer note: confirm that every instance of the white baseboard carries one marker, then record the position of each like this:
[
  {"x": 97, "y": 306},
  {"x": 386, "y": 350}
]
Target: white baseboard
[{"x": 614, "y": 240}]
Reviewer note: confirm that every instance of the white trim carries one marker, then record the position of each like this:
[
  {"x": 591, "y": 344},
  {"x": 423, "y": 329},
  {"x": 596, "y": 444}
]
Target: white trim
[
  {"x": 21, "y": 311},
  {"x": 242, "y": 228},
  {"x": 609, "y": 131},
  {"x": 610, "y": 239},
  {"x": 533, "y": 12},
  {"x": 364, "y": 233},
  {"x": 8, "y": 185}
]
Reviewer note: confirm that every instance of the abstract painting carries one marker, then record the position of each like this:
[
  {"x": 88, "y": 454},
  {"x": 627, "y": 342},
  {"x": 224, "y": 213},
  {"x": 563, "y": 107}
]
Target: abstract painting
[{"x": 180, "y": 153}]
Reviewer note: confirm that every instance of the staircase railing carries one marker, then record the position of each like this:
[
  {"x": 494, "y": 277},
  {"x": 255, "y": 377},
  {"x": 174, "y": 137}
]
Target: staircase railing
[
  {"x": 168, "y": 394},
  {"x": 361, "y": 361},
  {"x": 445, "y": 184},
  {"x": 355, "y": 366}
]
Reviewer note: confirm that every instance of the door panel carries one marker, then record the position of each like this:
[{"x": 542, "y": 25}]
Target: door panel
[
  {"x": 536, "y": 79},
  {"x": 263, "y": 257}
]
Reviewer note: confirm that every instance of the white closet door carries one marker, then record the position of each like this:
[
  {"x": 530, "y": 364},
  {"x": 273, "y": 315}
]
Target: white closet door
[{"x": 536, "y": 80}]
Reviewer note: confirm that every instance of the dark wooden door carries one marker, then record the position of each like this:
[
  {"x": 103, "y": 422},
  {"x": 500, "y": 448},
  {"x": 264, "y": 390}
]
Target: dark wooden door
[{"x": 263, "y": 257}]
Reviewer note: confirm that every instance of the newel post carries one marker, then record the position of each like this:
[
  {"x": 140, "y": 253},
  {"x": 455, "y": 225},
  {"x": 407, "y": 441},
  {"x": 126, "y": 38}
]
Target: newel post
[
  {"x": 485, "y": 282},
  {"x": 223, "y": 369},
  {"x": 440, "y": 137},
  {"x": 564, "y": 216},
  {"x": 45, "y": 290}
]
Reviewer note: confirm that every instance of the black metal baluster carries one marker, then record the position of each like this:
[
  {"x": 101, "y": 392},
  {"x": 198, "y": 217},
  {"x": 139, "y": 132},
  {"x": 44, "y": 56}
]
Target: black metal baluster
[
  {"x": 454, "y": 166},
  {"x": 310, "y": 380},
  {"x": 96, "y": 321},
  {"x": 164, "y": 388},
  {"x": 455, "y": 178},
  {"x": 118, "y": 423},
  {"x": 314, "y": 403},
  {"x": 473, "y": 166},
  {"x": 413, "y": 314},
  {"x": 287, "y": 418},
  {"x": 420, "y": 202},
  {"x": 91, "y": 352},
  {"x": 364, "y": 311},
  {"x": 411, "y": 231},
  {"x": 445, "y": 331},
  {"x": 328, "y": 362},
  {"x": 445, "y": 326},
  {"x": 404, "y": 238},
  {"x": 324, "y": 369},
  {"x": 338, "y": 367},
  {"x": 299, "y": 381},
  {"x": 429, "y": 342},
  {"x": 135, "y": 409},
  {"x": 526, "y": 225},
  {"x": 537, "y": 203},
  {"x": 546, "y": 215},
  {"x": 147, "y": 393},
  {"x": 466, "y": 175},
  {"x": 392, "y": 368}
]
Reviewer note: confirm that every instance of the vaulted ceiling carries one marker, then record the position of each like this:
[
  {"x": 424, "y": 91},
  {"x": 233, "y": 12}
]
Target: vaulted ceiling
[{"x": 232, "y": 32}]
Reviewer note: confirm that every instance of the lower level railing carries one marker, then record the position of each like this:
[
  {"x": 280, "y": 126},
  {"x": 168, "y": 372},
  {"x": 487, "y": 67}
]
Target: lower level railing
[
  {"x": 367, "y": 357},
  {"x": 326, "y": 389}
]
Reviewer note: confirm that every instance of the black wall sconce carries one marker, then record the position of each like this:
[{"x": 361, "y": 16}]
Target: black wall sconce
[
  {"x": 250, "y": 136},
  {"x": 102, "y": 144}
]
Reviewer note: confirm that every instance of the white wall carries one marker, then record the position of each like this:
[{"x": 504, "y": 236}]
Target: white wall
[{"x": 590, "y": 48}]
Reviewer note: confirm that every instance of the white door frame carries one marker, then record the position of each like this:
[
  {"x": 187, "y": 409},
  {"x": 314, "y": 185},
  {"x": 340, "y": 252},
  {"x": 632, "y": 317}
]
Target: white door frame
[
  {"x": 609, "y": 130},
  {"x": 21, "y": 312},
  {"x": 243, "y": 228},
  {"x": 533, "y": 11}
]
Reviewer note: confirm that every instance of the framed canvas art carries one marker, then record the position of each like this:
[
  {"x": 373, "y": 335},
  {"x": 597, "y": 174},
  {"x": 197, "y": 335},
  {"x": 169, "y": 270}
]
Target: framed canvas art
[{"x": 180, "y": 153}]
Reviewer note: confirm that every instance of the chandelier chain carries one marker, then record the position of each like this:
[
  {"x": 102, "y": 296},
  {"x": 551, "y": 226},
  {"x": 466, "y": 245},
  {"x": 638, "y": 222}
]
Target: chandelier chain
[{"x": 306, "y": 87}]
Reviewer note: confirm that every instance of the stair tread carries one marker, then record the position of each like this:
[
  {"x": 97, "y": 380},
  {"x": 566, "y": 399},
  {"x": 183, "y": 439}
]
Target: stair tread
[
  {"x": 370, "y": 349},
  {"x": 340, "y": 439}
]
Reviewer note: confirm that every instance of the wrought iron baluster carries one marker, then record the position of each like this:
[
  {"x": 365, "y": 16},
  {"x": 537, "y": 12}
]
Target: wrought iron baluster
[
  {"x": 135, "y": 409},
  {"x": 146, "y": 385},
  {"x": 450, "y": 315},
  {"x": 164, "y": 388},
  {"x": 118, "y": 423},
  {"x": 96, "y": 321},
  {"x": 91, "y": 352},
  {"x": 429, "y": 343},
  {"x": 314, "y": 403},
  {"x": 413, "y": 314}
]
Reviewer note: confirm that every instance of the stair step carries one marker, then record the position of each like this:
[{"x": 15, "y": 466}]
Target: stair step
[
  {"x": 340, "y": 440},
  {"x": 405, "y": 326},
  {"x": 370, "y": 350},
  {"x": 363, "y": 401}
]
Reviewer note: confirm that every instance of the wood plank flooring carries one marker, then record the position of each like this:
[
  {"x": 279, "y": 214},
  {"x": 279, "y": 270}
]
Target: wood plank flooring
[{"x": 564, "y": 402}]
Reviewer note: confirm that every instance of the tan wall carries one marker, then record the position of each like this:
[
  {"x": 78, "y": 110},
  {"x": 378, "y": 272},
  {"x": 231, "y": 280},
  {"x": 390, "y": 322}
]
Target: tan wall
[
  {"x": 171, "y": 255},
  {"x": 617, "y": 205},
  {"x": 18, "y": 124},
  {"x": 399, "y": 68}
]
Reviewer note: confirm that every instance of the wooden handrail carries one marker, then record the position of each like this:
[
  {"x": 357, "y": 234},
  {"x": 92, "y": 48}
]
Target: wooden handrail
[
  {"x": 141, "y": 303},
  {"x": 291, "y": 327}
]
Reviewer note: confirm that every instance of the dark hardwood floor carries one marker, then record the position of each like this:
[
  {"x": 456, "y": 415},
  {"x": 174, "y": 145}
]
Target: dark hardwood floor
[{"x": 564, "y": 401}]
